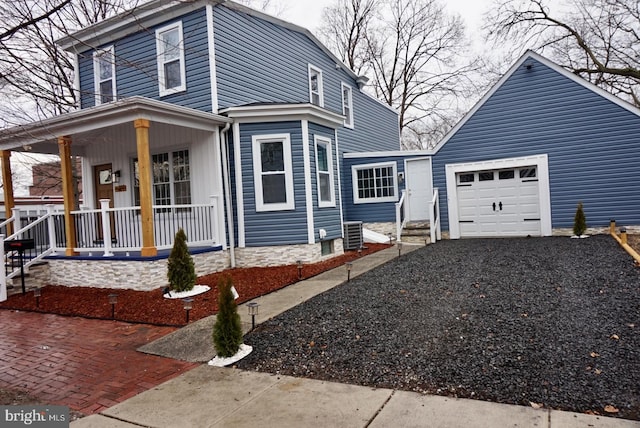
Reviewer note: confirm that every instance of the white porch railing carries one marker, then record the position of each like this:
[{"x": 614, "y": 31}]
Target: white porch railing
[
  {"x": 434, "y": 216},
  {"x": 401, "y": 217}
]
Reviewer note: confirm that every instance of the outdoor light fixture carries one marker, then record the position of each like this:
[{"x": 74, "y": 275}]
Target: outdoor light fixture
[
  {"x": 113, "y": 299},
  {"x": 359, "y": 251},
  {"x": 115, "y": 176},
  {"x": 299, "y": 263},
  {"x": 253, "y": 311},
  {"x": 390, "y": 235},
  {"x": 37, "y": 292},
  {"x": 187, "y": 304},
  {"x": 399, "y": 248},
  {"x": 349, "y": 266}
]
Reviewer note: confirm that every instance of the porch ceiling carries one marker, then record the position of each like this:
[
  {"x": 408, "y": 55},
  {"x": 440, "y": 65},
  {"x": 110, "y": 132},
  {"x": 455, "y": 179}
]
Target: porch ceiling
[{"x": 43, "y": 135}]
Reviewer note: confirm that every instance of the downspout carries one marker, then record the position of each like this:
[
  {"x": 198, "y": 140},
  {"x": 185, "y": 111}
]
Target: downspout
[{"x": 227, "y": 193}]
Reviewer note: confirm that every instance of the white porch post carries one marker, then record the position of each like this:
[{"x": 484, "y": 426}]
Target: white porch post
[
  {"x": 106, "y": 227},
  {"x": 51, "y": 228},
  {"x": 15, "y": 215},
  {"x": 3, "y": 277}
]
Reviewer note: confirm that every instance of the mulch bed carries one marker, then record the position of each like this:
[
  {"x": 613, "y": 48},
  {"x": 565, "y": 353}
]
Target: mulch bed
[{"x": 150, "y": 307}]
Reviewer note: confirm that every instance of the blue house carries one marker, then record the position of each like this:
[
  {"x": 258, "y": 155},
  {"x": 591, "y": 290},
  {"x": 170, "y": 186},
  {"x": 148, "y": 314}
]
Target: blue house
[
  {"x": 211, "y": 117},
  {"x": 538, "y": 143}
]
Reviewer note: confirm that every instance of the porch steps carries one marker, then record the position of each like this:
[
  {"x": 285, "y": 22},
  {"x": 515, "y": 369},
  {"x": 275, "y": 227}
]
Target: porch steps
[{"x": 416, "y": 232}]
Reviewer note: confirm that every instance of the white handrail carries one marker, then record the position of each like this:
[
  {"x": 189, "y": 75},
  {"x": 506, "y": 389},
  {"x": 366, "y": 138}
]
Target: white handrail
[
  {"x": 434, "y": 217},
  {"x": 400, "y": 218}
]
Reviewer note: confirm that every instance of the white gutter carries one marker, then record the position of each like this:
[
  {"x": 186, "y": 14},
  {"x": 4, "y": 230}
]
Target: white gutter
[{"x": 227, "y": 192}]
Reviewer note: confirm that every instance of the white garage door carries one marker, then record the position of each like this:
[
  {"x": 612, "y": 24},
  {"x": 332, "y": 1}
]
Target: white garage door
[{"x": 502, "y": 202}]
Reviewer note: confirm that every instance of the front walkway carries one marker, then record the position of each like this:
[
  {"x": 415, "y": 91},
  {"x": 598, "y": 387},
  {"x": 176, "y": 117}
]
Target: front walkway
[{"x": 88, "y": 365}]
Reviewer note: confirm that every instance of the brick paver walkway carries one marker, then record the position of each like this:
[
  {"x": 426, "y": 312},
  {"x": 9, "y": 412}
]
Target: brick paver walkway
[{"x": 85, "y": 364}]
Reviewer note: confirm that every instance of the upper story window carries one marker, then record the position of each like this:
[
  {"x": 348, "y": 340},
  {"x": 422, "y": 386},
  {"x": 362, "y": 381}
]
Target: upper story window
[
  {"x": 324, "y": 172},
  {"x": 104, "y": 67},
  {"x": 273, "y": 172},
  {"x": 171, "y": 178},
  {"x": 347, "y": 105},
  {"x": 374, "y": 183},
  {"x": 316, "y": 95},
  {"x": 171, "y": 68}
]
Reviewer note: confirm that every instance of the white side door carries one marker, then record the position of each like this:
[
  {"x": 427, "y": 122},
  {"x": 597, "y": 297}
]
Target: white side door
[{"x": 419, "y": 185}]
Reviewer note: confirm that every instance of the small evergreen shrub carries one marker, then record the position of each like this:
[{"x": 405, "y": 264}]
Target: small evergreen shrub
[
  {"x": 227, "y": 331},
  {"x": 181, "y": 271},
  {"x": 579, "y": 221}
]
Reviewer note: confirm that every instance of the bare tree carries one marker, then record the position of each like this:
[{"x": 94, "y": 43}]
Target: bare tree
[
  {"x": 414, "y": 51},
  {"x": 596, "y": 39}
]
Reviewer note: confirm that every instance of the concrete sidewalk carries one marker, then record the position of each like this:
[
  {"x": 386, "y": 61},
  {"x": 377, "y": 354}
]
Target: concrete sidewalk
[{"x": 223, "y": 397}]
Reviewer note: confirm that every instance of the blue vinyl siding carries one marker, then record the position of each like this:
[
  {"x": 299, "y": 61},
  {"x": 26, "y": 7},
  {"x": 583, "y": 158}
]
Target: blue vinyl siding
[
  {"x": 137, "y": 69},
  {"x": 327, "y": 218},
  {"x": 260, "y": 62},
  {"x": 370, "y": 212},
  {"x": 592, "y": 144},
  {"x": 274, "y": 227}
]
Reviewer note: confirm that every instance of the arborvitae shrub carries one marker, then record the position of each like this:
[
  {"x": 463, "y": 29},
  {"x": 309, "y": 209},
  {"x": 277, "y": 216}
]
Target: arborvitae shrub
[
  {"x": 227, "y": 331},
  {"x": 181, "y": 271},
  {"x": 579, "y": 221}
]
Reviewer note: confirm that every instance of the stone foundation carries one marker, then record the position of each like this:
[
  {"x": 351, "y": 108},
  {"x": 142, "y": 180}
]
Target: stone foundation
[
  {"x": 130, "y": 274},
  {"x": 285, "y": 254}
]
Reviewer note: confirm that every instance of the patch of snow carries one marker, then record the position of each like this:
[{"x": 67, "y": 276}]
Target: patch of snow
[
  {"x": 197, "y": 289},
  {"x": 579, "y": 237},
  {"x": 243, "y": 351}
]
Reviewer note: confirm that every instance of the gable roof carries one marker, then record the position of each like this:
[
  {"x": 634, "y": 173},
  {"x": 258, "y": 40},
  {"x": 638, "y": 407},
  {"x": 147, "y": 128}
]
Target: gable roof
[
  {"x": 158, "y": 11},
  {"x": 528, "y": 55}
]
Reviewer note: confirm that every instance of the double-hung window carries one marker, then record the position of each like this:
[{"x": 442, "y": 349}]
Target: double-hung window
[
  {"x": 347, "y": 105},
  {"x": 170, "y": 50},
  {"x": 273, "y": 172},
  {"x": 104, "y": 66},
  {"x": 316, "y": 95},
  {"x": 171, "y": 178},
  {"x": 324, "y": 172},
  {"x": 374, "y": 183}
]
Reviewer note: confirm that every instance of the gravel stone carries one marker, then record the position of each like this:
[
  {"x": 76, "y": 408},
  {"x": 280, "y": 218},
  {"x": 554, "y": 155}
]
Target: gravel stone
[{"x": 549, "y": 320}]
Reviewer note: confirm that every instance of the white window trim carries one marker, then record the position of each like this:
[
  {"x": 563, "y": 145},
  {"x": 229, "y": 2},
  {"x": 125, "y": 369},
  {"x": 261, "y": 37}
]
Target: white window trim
[
  {"x": 160, "y": 53},
  {"x": 539, "y": 161},
  {"x": 332, "y": 201},
  {"x": 285, "y": 139},
  {"x": 354, "y": 178},
  {"x": 96, "y": 73},
  {"x": 348, "y": 119},
  {"x": 320, "y": 85}
]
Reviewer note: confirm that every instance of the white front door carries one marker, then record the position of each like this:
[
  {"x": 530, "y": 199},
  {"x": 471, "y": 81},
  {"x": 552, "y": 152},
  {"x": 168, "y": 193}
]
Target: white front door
[{"x": 419, "y": 188}]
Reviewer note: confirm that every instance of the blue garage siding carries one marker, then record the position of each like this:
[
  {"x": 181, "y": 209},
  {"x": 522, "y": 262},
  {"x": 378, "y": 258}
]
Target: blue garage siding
[
  {"x": 592, "y": 144},
  {"x": 137, "y": 70},
  {"x": 327, "y": 218},
  {"x": 373, "y": 212},
  {"x": 274, "y": 227}
]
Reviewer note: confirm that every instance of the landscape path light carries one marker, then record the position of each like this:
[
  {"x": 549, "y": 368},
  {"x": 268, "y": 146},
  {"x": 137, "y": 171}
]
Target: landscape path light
[
  {"x": 253, "y": 311},
  {"x": 37, "y": 292},
  {"x": 299, "y": 263},
  {"x": 349, "y": 267},
  {"x": 399, "y": 248},
  {"x": 187, "y": 304},
  {"x": 113, "y": 299}
]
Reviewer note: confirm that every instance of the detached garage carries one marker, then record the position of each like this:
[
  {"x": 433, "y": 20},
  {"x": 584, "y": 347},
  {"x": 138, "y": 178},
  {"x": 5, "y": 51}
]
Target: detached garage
[{"x": 539, "y": 142}]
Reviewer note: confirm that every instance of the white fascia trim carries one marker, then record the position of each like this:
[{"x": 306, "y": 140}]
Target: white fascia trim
[
  {"x": 402, "y": 153},
  {"x": 308, "y": 192},
  {"x": 212, "y": 59},
  {"x": 339, "y": 173},
  {"x": 540, "y": 161},
  {"x": 284, "y": 112},
  {"x": 162, "y": 91},
  {"x": 327, "y": 141},
  {"x": 354, "y": 180},
  {"x": 237, "y": 158}
]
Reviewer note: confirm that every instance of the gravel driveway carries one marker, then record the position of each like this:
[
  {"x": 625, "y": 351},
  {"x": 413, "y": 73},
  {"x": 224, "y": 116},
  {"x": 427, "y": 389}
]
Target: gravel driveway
[{"x": 552, "y": 321}]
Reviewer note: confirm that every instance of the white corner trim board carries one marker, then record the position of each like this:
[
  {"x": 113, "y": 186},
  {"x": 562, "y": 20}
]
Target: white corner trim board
[{"x": 544, "y": 198}]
